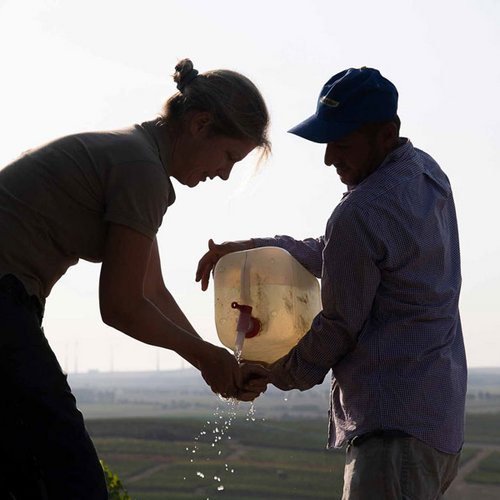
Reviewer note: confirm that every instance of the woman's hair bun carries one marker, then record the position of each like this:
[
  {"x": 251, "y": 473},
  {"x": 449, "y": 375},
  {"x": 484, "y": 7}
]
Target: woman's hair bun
[
  {"x": 184, "y": 74},
  {"x": 236, "y": 107}
]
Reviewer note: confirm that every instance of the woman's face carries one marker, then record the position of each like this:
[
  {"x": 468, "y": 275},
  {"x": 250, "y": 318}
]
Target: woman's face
[{"x": 198, "y": 155}]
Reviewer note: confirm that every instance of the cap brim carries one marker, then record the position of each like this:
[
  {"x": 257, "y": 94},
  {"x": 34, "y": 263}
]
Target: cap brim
[{"x": 317, "y": 130}]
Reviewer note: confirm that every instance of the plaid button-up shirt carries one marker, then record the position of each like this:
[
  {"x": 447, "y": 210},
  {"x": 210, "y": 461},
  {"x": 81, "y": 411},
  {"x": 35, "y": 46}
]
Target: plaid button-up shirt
[{"x": 390, "y": 329}]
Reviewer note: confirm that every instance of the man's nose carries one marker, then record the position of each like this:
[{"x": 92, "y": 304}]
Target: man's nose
[
  {"x": 224, "y": 173},
  {"x": 329, "y": 154}
]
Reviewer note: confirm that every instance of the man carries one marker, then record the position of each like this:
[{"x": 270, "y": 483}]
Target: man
[{"x": 390, "y": 273}]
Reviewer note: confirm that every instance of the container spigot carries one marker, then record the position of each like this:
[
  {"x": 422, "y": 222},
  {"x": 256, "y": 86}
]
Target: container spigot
[{"x": 247, "y": 324}]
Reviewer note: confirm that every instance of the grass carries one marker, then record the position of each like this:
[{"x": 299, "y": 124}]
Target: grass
[
  {"x": 467, "y": 454},
  {"x": 251, "y": 459},
  {"x": 251, "y": 480},
  {"x": 488, "y": 471},
  {"x": 125, "y": 467},
  {"x": 254, "y": 458},
  {"x": 483, "y": 428}
]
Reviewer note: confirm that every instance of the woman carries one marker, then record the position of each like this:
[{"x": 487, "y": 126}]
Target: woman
[{"x": 101, "y": 197}]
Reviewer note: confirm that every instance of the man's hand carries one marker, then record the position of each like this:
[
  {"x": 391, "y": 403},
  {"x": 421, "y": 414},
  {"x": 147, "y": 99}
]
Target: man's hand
[
  {"x": 215, "y": 252},
  {"x": 252, "y": 382}
]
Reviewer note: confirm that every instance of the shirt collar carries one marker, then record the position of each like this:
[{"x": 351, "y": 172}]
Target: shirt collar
[{"x": 403, "y": 149}]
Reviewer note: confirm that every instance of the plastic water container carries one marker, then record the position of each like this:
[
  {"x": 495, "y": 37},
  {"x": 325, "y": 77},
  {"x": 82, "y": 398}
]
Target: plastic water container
[{"x": 265, "y": 301}]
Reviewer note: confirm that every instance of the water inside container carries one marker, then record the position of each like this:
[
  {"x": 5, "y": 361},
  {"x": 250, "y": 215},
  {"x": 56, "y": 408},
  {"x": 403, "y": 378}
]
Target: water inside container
[{"x": 284, "y": 297}]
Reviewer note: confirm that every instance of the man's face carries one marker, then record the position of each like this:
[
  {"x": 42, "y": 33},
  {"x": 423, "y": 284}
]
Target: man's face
[{"x": 356, "y": 155}]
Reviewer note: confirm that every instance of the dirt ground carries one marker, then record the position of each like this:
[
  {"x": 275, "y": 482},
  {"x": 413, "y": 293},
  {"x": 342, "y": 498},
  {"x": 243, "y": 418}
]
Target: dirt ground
[{"x": 461, "y": 490}]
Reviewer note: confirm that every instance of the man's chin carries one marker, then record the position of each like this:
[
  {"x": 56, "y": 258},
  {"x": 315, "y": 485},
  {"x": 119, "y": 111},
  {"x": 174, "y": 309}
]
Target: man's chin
[
  {"x": 191, "y": 183},
  {"x": 344, "y": 180}
]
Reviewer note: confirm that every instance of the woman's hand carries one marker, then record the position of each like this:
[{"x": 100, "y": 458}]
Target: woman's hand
[
  {"x": 226, "y": 377},
  {"x": 207, "y": 263},
  {"x": 219, "y": 369}
]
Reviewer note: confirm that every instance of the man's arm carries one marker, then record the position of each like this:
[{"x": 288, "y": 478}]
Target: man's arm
[
  {"x": 308, "y": 252},
  {"x": 207, "y": 263},
  {"x": 351, "y": 277}
]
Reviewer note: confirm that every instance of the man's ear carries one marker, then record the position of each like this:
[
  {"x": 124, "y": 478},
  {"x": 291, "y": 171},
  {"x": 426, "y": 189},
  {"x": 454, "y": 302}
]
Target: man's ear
[
  {"x": 200, "y": 123},
  {"x": 390, "y": 135}
]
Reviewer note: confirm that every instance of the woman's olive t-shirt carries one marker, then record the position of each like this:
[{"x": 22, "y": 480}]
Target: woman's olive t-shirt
[{"x": 56, "y": 200}]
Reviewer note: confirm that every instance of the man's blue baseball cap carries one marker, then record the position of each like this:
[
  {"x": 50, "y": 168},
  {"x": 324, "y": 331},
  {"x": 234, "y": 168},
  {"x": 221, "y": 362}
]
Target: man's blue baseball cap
[{"x": 350, "y": 99}]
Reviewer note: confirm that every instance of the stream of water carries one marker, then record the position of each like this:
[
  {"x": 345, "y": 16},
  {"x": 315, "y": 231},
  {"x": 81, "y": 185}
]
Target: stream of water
[{"x": 214, "y": 432}]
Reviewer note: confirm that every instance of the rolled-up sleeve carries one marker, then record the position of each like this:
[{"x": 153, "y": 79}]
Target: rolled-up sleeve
[{"x": 350, "y": 278}]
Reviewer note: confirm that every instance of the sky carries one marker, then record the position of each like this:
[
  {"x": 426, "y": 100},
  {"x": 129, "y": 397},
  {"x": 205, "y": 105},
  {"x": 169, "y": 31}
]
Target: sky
[{"x": 73, "y": 66}]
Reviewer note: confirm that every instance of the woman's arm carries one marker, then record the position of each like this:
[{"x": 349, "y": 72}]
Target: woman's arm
[
  {"x": 124, "y": 306},
  {"x": 156, "y": 291}
]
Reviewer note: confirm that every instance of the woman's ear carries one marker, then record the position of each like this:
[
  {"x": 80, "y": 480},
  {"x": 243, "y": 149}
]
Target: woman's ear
[{"x": 200, "y": 123}]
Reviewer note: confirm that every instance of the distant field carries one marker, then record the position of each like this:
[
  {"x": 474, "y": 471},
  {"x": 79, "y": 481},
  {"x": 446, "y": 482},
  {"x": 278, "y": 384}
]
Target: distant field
[
  {"x": 484, "y": 427},
  {"x": 237, "y": 456},
  {"x": 158, "y": 430},
  {"x": 488, "y": 471},
  {"x": 166, "y": 458}
]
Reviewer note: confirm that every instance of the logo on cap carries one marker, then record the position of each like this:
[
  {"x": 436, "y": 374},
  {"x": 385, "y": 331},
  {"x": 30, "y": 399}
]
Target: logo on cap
[{"x": 331, "y": 103}]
